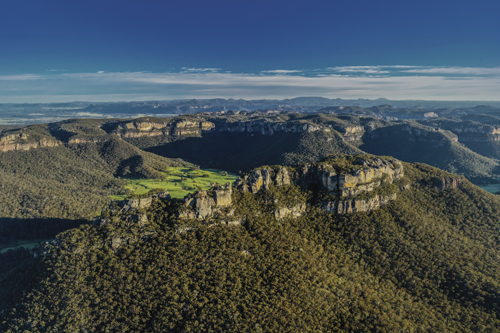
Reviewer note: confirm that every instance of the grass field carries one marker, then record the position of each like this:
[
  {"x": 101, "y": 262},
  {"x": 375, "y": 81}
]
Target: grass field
[{"x": 178, "y": 182}]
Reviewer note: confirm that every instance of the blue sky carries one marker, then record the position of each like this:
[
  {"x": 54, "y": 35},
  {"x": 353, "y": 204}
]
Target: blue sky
[{"x": 55, "y": 50}]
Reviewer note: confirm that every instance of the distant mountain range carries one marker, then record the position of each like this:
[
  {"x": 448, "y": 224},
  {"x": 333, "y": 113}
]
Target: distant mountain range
[{"x": 23, "y": 114}]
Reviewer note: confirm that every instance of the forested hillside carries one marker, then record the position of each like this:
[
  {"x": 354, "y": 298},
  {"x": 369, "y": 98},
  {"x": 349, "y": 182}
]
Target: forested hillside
[
  {"x": 426, "y": 261},
  {"x": 70, "y": 181}
]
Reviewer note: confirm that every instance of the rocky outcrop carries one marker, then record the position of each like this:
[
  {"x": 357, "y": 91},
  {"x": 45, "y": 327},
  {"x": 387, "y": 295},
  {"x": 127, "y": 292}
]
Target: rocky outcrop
[
  {"x": 446, "y": 183},
  {"x": 203, "y": 204},
  {"x": 294, "y": 211},
  {"x": 81, "y": 140},
  {"x": 364, "y": 176},
  {"x": 262, "y": 178},
  {"x": 358, "y": 205},
  {"x": 340, "y": 178},
  {"x": 351, "y": 133},
  {"x": 468, "y": 131},
  {"x": 180, "y": 127},
  {"x": 130, "y": 211},
  {"x": 16, "y": 142},
  {"x": 218, "y": 201},
  {"x": 222, "y": 195}
]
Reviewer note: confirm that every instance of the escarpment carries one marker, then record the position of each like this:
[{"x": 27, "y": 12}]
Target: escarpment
[
  {"x": 345, "y": 184},
  {"x": 176, "y": 127},
  {"x": 468, "y": 131},
  {"x": 342, "y": 184},
  {"x": 216, "y": 203},
  {"x": 22, "y": 141}
]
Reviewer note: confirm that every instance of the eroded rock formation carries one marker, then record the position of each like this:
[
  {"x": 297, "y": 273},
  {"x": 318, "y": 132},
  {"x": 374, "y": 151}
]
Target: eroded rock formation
[
  {"x": 21, "y": 141},
  {"x": 203, "y": 204},
  {"x": 342, "y": 180},
  {"x": 130, "y": 211},
  {"x": 181, "y": 127}
]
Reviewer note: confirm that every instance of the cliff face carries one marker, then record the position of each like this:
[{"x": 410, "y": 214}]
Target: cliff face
[
  {"x": 340, "y": 182},
  {"x": 472, "y": 132},
  {"x": 352, "y": 133},
  {"x": 81, "y": 140},
  {"x": 339, "y": 185},
  {"x": 446, "y": 183},
  {"x": 141, "y": 128},
  {"x": 22, "y": 141}
]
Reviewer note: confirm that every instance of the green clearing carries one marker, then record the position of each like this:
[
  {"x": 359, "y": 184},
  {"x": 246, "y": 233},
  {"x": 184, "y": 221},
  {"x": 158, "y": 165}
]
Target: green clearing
[{"x": 178, "y": 181}]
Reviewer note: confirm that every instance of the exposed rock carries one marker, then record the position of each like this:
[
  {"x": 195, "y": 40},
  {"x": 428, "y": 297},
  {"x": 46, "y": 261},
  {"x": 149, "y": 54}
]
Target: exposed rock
[
  {"x": 80, "y": 140},
  {"x": 126, "y": 205},
  {"x": 16, "y": 142},
  {"x": 262, "y": 178},
  {"x": 140, "y": 219},
  {"x": 295, "y": 211},
  {"x": 235, "y": 222},
  {"x": 340, "y": 178},
  {"x": 180, "y": 127},
  {"x": 128, "y": 210},
  {"x": 430, "y": 115},
  {"x": 365, "y": 176},
  {"x": 351, "y": 133},
  {"x": 116, "y": 242},
  {"x": 446, "y": 183},
  {"x": 358, "y": 205},
  {"x": 282, "y": 177},
  {"x": 405, "y": 187},
  {"x": 201, "y": 204},
  {"x": 222, "y": 195}
]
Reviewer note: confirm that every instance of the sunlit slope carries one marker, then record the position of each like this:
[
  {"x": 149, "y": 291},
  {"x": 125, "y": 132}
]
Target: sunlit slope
[{"x": 71, "y": 181}]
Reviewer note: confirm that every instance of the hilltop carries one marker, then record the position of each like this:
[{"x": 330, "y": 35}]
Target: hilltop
[{"x": 276, "y": 252}]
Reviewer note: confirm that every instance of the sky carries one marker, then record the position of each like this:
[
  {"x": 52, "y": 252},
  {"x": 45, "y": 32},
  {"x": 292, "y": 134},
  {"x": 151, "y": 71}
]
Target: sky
[{"x": 62, "y": 51}]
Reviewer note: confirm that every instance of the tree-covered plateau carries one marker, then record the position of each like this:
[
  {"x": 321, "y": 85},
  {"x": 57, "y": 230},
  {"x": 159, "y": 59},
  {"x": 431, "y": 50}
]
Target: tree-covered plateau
[{"x": 426, "y": 262}]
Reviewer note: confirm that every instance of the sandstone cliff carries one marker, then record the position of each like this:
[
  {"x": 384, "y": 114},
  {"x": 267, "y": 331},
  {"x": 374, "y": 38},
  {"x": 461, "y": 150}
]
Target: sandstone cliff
[
  {"x": 177, "y": 127},
  {"x": 342, "y": 182},
  {"x": 22, "y": 141}
]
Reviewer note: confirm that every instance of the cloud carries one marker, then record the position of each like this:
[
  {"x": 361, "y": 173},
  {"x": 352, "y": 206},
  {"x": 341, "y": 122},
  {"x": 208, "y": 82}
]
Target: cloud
[
  {"x": 359, "y": 69},
  {"x": 456, "y": 70},
  {"x": 20, "y": 77},
  {"x": 396, "y": 82},
  {"x": 282, "y": 71},
  {"x": 199, "y": 70}
]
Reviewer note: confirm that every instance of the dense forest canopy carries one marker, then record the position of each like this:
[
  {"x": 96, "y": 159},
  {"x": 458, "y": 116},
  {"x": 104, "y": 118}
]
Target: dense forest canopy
[{"x": 427, "y": 261}]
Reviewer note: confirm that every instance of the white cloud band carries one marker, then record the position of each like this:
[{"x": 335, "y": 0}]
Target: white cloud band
[{"x": 393, "y": 82}]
